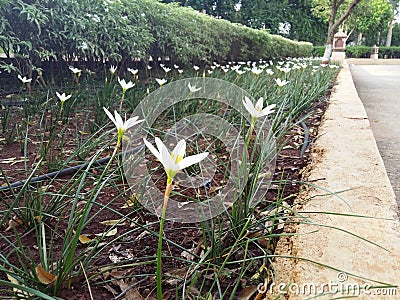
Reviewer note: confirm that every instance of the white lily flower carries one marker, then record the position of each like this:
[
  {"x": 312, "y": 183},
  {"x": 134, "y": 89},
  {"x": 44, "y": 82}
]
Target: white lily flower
[
  {"x": 75, "y": 70},
  {"x": 193, "y": 89},
  {"x": 62, "y": 97},
  {"x": 161, "y": 81},
  {"x": 196, "y": 68},
  {"x": 133, "y": 71},
  {"x": 180, "y": 71},
  {"x": 280, "y": 82},
  {"x": 257, "y": 111},
  {"x": 113, "y": 69},
  {"x": 256, "y": 71},
  {"x": 166, "y": 69},
  {"x": 284, "y": 69},
  {"x": 125, "y": 85},
  {"x": 176, "y": 66},
  {"x": 269, "y": 72},
  {"x": 121, "y": 125},
  {"x": 173, "y": 161},
  {"x": 24, "y": 79}
]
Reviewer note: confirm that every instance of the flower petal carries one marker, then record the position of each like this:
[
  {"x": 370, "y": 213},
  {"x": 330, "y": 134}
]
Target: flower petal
[
  {"x": 110, "y": 116},
  {"x": 191, "y": 160},
  {"x": 160, "y": 144},
  {"x": 118, "y": 121},
  {"x": 269, "y": 109},
  {"x": 259, "y": 105},
  {"x": 153, "y": 150},
  {"x": 132, "y": 121},
  {"x": 179, "y": 149},
  {"x": 167, "y": 161},
  {"x": 250, "y": 108}
]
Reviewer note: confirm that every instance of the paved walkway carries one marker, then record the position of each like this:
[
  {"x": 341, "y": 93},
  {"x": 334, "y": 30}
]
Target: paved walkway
[
  {"x": 379, "y": 89},
  {"x": 347, "y": 242}
]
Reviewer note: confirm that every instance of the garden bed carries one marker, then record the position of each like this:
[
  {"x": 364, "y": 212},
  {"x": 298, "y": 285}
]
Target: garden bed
[{"x": 220, "y": 257}]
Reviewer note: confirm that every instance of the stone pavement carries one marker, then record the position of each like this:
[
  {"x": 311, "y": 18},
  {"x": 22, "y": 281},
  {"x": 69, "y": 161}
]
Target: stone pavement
[
  {"x": 379, "y": 89},
  {"x": 348, "y": 236}
]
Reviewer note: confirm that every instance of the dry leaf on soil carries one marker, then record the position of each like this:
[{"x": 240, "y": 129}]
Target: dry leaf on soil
[{"x": 44, "y": 276}]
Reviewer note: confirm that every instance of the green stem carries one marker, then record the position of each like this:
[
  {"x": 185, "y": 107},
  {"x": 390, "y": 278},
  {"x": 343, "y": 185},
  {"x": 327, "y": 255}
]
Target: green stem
[
  {"x": 122, "y": 100},
  {"x": 160, "y": 236},
  {"x": 253, "y": 122}
]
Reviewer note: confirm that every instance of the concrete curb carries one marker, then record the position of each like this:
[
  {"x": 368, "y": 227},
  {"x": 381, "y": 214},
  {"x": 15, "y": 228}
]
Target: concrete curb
[{"x": 347, "y": 157}]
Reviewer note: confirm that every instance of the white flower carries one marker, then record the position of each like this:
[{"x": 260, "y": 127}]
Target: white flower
[
  {"x": 196, "y": 68},
  {"x": 133, "y": 71},
  {"x": 269, "y": 72},
  {"x": 120, "y": 124},
  {"x": 193, "y": 89},
  {"x": 62, "y": 97},
  {"x": 284, "y": 69},
  {"x": 113, "y": 69},
  {"x": 180, "y": 71},
  {"x": 125, "y": 85},
  {"x": 24, "y": 79},
  {"x": 173, "y": 161},
  {"x": 149, "y": 67},
  {"x": 256, "y": 71},
  {"x": 166, "y": 69},
  {"x": 75, "y": 70},
  {"x": 257, "y": 111},
  {"x": 240, "y": 72},
  {"x": 280, "y": 82},
  {"x": 176, "y": 66},
  {"x": 161, "y": 81}
]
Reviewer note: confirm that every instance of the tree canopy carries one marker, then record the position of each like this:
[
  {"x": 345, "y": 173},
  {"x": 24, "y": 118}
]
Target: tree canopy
[{"x": 306, "y": 20}]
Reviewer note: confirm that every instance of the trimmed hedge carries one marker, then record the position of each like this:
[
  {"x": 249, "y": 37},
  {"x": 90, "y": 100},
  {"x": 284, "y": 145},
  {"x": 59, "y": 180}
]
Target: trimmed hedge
[
  {"x": 118, "y": 30},
  {"x": 358, "y": 51},
  {"x": 365, "y": 52},
  {"x": 389, "y": 52},
  {"x": 362, "y": 52}
]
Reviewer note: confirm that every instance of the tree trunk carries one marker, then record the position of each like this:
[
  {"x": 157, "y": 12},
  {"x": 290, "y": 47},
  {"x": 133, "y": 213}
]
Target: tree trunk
[
  {"x": 359, "y": 38},
  {"x": 328, "y": 48},
  {"x": 334, "y": 25},
  {"x": 389, "y": 34}
]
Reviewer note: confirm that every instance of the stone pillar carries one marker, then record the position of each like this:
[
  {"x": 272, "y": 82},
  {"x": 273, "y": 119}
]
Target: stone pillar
[
  {"x": 339, "y": 47},
  {"x": 374, "y": 52}
]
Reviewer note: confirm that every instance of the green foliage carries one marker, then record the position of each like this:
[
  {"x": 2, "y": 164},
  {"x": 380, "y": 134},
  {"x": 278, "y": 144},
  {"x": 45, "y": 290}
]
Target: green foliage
[
  {"x": 396, "y": 35},
  {"x": 371, "y": 17},
  {"x": 358, "y": 52},
  {"x": 389, "y": 52},
  {"x": 365, "y": 52},
  {"x": 296, "y": 14},
  {"x": 318, "y": 51},
  {"x": 95, "y": 31}
]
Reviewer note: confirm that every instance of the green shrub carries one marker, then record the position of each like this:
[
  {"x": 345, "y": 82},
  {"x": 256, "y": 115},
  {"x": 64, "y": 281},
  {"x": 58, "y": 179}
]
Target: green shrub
[
  {"x": 122, "y": 31},
  {"x": 389, "y": 52},
  {"x": 318, "y": 51},
  {"x": 358, "y": 52}
]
